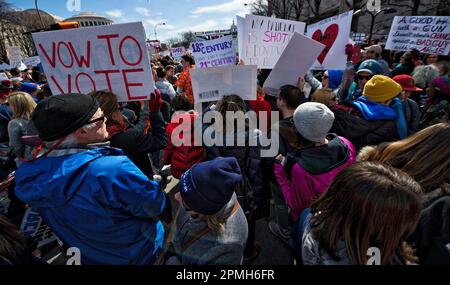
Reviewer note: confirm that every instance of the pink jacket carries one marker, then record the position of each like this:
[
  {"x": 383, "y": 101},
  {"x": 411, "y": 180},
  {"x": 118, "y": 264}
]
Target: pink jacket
[{"x": 313, "y": 172}]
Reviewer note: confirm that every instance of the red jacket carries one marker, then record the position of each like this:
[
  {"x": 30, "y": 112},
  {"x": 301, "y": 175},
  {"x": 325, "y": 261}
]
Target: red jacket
[
  {"x": 181, "y": 153},
  {"x": 259, "y": 105}
]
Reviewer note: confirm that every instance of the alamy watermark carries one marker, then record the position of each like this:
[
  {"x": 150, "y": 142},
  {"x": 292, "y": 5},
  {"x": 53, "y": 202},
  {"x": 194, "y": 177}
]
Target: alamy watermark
[
  {"x": 73, "y": 5},
  {"x": 73, "y": 256},
  {"x": 374, "y": 255},
  {"x": 235, "y": 129},
  {"x": 373, "y": 5}
]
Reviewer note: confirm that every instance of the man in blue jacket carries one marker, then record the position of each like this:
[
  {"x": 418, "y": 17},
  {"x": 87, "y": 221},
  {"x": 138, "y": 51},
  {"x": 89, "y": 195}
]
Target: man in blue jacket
[{"x": 93, "y": 197}]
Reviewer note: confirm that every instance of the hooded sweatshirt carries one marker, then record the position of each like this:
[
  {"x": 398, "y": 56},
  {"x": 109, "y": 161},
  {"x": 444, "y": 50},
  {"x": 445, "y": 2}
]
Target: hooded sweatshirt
[
  {"x": 98, "y": 201},
  {"x": 182, "y": 154},
  {"x": 313, "y": 171}
]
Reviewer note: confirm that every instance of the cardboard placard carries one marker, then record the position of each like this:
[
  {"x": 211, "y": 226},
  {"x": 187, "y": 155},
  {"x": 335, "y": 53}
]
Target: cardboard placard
[
  {"x": 217, "y": 52},
  {"x": 293, "y": 64},
  {"x": 334, "y": 33},
  {"x": 109, "y": 57},
  {"x": 427, "y": 34},
  {"x": 14, "y": 55},
  {"x": 265, "y": 39},
  {"x": 211, "y": 84},
  {"x": 31, "y": 61},
  {"x": 178, "y": 52},
  {"x": 240, "y": 23}
]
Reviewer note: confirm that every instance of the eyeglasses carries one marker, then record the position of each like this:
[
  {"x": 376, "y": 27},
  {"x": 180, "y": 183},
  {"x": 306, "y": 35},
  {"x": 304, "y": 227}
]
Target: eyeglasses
[
  {"x": 361, "y": 77},
  {"x": 102, "y": 118}
]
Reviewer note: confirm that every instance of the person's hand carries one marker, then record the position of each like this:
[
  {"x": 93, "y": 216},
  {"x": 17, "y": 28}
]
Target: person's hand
[
  {"x": 155, "y": 101},
  {"x": 280, "y": 159},
  {"x": 301, "y": 83},
  {"x": 349, "y": 51},
  {"x": 241, "y": 62}
]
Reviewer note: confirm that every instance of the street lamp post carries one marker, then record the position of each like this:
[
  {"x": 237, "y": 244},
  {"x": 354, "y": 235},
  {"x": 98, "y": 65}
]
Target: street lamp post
[
  {"x": 159, "y": 24},
  {"x": 39, "y": 13},
  {"x": 373, "y": 16}
]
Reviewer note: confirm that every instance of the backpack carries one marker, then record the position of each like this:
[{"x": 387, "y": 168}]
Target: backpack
[{"x": 244, "y": 190}]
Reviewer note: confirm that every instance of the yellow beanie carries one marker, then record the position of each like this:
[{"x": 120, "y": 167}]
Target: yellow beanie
[{"x": 381, "y": 88}]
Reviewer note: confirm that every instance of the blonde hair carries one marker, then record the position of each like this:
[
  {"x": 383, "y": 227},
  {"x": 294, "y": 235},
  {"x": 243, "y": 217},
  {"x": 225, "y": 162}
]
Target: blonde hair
[
  {"x": 22, "y": 105},
  {"x": 216, "y": 224},
  {"x": 425, "y": 156},
  {"x": 323, "y": 96}
]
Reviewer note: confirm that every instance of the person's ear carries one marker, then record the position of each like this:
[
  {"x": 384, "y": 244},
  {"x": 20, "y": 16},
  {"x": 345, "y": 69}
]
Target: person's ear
[
  {"x": 81, "y": 133},
  {"x": 116, "y": 116}
]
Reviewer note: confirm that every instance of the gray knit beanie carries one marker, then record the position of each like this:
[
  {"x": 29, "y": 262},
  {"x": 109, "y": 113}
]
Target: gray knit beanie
[{"x": 313, "y": 121}]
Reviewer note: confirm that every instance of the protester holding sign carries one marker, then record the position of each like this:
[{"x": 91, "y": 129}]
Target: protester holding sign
[
  {"x": 133, "y": 141},
  {"x": 367, "y": 69},
  {"x": 93, "y": 197}
]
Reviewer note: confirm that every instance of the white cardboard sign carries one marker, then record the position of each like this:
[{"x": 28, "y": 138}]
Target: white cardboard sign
[
  {"x": 112, "y": 57},
  {"x": 265, "y": 39},
  {"x": 211, "y": 84},
  {"x": 293, "y": 64},
  {"x": 14, "y": 55},
  {"x": 33, "y": 61},
  {"x": 334, "y": 33},
  {"x": 240, "y": 23},
  {"x": 217, "y": 52},
  {"x": 427, "y": 34},
  {"x": 178, "y": 52}
]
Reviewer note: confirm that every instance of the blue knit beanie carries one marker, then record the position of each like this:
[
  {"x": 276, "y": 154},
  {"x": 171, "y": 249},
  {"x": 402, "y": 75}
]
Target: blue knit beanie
[
  {"x": 371, "y": 66},
  {"x": 208, "y": 186}
]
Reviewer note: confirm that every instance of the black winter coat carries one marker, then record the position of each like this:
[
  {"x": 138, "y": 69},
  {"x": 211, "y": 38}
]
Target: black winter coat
[
  {"x": 253, "y": 169},
  {"x": 433, "y": 233},
  {"x": 350, "y": 124},
  {"x": 137, "y": 145}
]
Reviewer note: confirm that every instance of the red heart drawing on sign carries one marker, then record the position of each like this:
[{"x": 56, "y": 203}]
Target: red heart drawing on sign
[{"x": 328, "y": 39}]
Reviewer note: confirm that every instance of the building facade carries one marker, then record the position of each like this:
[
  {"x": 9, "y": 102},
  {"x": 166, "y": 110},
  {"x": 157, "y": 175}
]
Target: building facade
[
  {"x": 88, "y": 19},
  {"x": 214, "y": 34}
]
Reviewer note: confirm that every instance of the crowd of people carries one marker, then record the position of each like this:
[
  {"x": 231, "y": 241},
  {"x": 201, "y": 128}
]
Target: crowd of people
[{"x": 363, "y": 162}]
